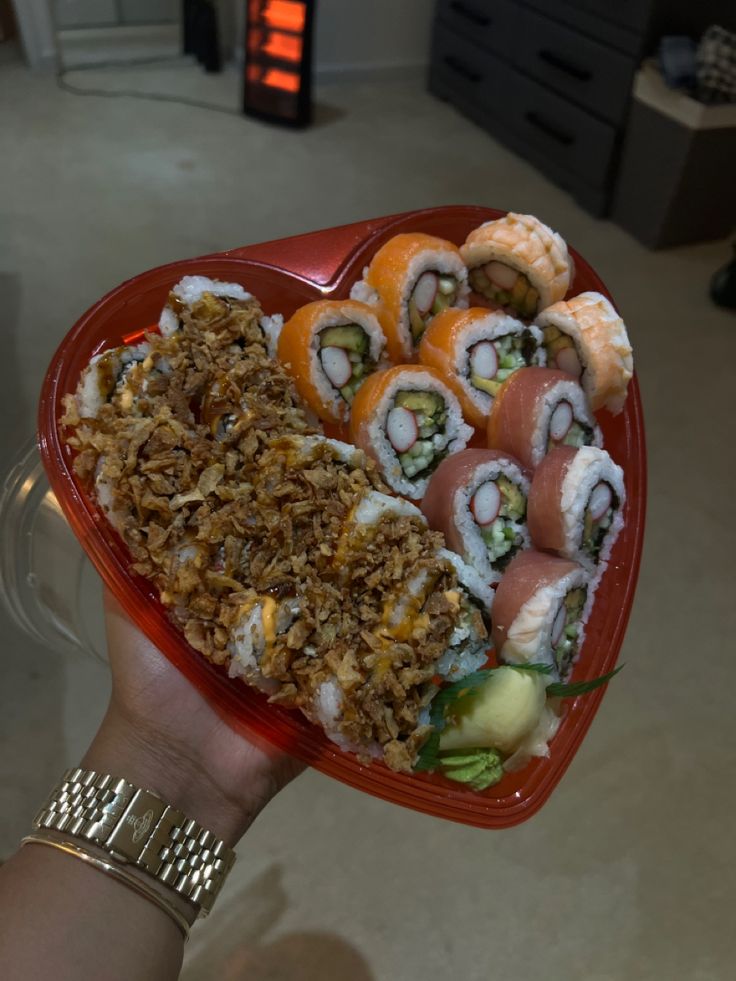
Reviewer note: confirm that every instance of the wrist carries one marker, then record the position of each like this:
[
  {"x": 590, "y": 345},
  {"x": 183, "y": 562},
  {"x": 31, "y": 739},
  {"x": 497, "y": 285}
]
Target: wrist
[{"x": 148, "y": 760}]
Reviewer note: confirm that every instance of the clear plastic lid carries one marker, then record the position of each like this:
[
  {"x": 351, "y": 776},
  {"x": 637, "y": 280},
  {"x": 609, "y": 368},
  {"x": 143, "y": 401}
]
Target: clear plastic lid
[{"x": 49, "y": 586}]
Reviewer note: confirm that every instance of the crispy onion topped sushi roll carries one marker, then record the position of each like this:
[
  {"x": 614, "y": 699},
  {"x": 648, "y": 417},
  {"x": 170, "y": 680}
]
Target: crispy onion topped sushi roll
[
  {"x": 213, "y": 301},
  {"x": 538, "y": 409},
  {"x": 113, "y": 376},
  {"x": 411, "y": 279},
  {"x": 540, "y": 610},
  {"x": 475, "y": 351},
  {"x": 477, "y": 499},
  {"x": 330, "y": 347},
  {"x": 517, "y": 263},
  {"x": 586, "y": 338},
  {"x": 408, "y": 420},
  {"x": 258, "y": 622},
  {"x": 576, "y": 505}
]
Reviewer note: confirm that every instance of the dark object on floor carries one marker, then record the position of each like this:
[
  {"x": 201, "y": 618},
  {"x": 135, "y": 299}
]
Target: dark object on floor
[
  {"x": 723, "y": 285},
  {"x": 676, "y": 182},
  {"x": 200, "y": 33}
]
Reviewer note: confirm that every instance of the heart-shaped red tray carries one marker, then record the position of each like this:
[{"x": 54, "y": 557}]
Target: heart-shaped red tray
[{"x": 283, "y": 275}]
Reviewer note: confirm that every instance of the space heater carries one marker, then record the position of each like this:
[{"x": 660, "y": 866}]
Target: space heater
[{"x": 278, "y": 61}]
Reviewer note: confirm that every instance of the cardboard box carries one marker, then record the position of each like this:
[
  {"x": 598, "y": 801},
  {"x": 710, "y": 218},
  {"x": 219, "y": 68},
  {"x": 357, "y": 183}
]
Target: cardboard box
[{"x": 677, "y": 179}]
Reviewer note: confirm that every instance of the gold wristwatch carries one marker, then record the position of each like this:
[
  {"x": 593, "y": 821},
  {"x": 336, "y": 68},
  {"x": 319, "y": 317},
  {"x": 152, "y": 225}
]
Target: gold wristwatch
[{"x": 137, "y": 828}]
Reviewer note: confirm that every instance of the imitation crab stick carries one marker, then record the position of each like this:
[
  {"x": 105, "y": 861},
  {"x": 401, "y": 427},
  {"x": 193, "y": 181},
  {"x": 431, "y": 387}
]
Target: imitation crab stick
[{"x": 411, "y": 279}]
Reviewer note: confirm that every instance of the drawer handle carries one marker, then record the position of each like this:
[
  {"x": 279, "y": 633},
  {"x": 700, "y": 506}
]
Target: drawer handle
[
  {"x": 550, "y": 129},
  {"x": 460, "y": 69},
  {"x": 474, "y": 16},
  {"x": 563, "y": 65}
]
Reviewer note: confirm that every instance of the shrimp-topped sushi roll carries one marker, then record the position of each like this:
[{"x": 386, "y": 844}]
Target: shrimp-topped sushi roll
[
  {"x": 408, "y": 421},
  {"x": 411, "y": 279},
  {"x": 517, "y": 263},
  {"x": 478, "y": 499},
  {"x": 330, "y": 347},
  {"x": 538, "y": 409},
  {"x": 475, "y": 351},
  {"x": 585, "y": 337},
  {"x": 540, "y": 610},
  {"x": 576, "y": 505}
]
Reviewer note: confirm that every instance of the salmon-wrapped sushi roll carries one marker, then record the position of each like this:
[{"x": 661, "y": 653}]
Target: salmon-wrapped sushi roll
[
  {"x": 408, "y": 420},
  {"x": 411, "y": 279},
  {"x": 477, "y": 499},
  {"x": 542, "y": 604},
  {"x": 538, "y": 409},
  {"x": 330, "y": 347},
  {"x": 518, "y": 263},
  {"x": 576, "y": 505},
  {"x": 475, "y": 351},
  {"x": 585, "y": 337}
]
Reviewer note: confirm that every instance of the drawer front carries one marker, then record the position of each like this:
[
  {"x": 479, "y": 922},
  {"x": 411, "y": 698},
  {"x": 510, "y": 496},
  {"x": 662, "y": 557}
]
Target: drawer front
[
  {"x": 459, "y": 67},
  {"x": 569, "y": 137},
  {"x": 489, "y": 23},
  {"x": 585, "y": 71},
  {"x": 630, "y": 14}
]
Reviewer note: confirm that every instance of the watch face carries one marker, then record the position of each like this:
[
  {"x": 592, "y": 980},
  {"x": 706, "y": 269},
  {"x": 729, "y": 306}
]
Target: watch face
[{"x": 278, "y": 60}]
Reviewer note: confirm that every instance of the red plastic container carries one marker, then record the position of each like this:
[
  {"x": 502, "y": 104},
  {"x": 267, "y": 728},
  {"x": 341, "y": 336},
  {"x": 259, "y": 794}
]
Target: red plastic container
[{"x": 283, "y": 275}]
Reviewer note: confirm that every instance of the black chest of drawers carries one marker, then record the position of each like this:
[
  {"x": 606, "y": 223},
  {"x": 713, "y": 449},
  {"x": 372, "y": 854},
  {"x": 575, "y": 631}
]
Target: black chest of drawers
[{"x": 552, "y": 79}]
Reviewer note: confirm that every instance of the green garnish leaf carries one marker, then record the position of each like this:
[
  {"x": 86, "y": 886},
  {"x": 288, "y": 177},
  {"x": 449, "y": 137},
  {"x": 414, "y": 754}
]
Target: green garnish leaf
[
  {"x": 558, "y": 690},
  {"x": 428, "y": 757},
  {"x": 536, "y": 668}
]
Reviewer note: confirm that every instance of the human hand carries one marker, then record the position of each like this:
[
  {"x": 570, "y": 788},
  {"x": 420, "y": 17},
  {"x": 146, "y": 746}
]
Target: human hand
[{"x": 160, "y": 733}]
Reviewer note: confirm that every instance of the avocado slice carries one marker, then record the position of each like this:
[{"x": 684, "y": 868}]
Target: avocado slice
[
  {"x": 574, "y": 602},
  {"x": 514, "y": 503},
  {"x": 351, "y": 337},
  {"x": 428, "y": 403},
  {"x": 558, "y": 344},
  {"x": 487, "y": 385}
]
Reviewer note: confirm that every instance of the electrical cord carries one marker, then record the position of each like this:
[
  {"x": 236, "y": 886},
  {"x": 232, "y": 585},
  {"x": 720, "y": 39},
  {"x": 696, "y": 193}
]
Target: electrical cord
[{"x": 66, "y": 86}]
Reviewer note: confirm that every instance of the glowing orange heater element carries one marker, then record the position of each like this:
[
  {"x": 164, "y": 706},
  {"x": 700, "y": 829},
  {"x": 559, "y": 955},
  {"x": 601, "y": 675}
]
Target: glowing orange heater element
[
  {"x": 277, "y": 79},
  {"x": 278, "y": 60},
  {"x": 287, "y": 15},
  {"x": 287, "y": 47}
]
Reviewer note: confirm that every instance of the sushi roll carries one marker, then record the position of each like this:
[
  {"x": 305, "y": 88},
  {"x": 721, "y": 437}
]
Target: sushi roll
[
  {"x": 517, "y": 263},
  {"x": 408, "y": 421},
  {"x": 576, "y": 505},
  {"x": 258, "y": 623},
  {"x": 585, "y": 337},
  {"x": 214, "y": 302},
  {"x": 412, "y": 278},
  {"x": 540, "y": 610},
  {"x": 111, "y": 376},
  {"x": 475, "y": 351},
  {"x": 538, "y": 409},
  {"x": 478, "y": 499},
  {"x": 330, "y": 347}
]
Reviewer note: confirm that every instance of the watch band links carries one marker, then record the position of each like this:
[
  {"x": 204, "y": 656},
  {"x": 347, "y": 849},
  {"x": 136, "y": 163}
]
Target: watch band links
[{"x": 135, "y": 826}]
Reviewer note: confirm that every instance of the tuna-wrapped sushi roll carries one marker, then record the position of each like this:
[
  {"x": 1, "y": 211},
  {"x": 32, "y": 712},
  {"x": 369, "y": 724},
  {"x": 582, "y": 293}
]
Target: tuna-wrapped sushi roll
[
  {"x": 411, "y": 279},
  {"x": 330, "y": 347},
  {"x": 540, "y": 610},
  {"x": 538, "y": 409},
  {"x": 576, "y": 505},
  {"x": 475, "y": 351},
  {"x": 585, "y": 337},
  {"x": 408, "y": 420},
  {"x": 478, "y": 499},
  {"x": 517, "y": 263}
]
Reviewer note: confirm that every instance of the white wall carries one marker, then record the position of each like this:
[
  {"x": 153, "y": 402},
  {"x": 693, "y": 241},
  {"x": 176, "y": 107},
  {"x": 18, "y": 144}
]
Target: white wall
[{"x": 363, "y": 37}]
